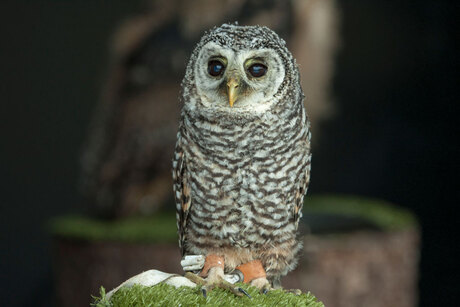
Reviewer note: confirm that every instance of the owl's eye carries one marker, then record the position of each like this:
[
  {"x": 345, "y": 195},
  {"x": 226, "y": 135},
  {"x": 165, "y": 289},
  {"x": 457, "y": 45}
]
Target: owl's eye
[
  {"x": 215, "y": 68},
  {"x": 257, "y": 70}
]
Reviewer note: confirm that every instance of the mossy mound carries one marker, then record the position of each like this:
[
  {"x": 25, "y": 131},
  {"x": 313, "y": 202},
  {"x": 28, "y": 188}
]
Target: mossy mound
[
  {"x": 386, "y": 216},
  {"x": 166, "y": 295},
  {"x": 161, "y": 228}
]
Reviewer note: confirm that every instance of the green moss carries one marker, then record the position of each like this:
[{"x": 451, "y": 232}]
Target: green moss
[
  {"x": 160, "y": 228},
  {"x": 102, "y": 300},
  {"x": 166, "y": 295},
  {"x": 383, "y": 214}
]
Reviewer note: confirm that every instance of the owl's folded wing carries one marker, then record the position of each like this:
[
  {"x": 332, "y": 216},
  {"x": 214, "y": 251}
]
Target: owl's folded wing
[
  {"x": 181, "y": 193},
  {"x": 304, "y": 180},
  {"x": 300, "y": 193}
]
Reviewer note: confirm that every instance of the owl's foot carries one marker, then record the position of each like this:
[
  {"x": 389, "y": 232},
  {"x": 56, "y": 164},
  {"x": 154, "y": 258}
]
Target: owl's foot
[
  {"x": 262, "y": 284},
  {"x": 213, "y": 270},
  {"x": 215, "y": 279},
  {"x": 253, "y": 272}
]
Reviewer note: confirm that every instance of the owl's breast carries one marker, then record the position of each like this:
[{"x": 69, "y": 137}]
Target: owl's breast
[
  {"x": 243, "y": 181},
  {"x": 243, "y": 200}
]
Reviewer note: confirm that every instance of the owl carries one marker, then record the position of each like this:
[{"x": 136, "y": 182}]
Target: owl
[{"x": 241, "y": 165}]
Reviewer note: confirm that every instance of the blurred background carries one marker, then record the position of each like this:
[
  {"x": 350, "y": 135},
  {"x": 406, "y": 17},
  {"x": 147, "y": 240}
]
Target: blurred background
[{"x": 379, "y": 77}]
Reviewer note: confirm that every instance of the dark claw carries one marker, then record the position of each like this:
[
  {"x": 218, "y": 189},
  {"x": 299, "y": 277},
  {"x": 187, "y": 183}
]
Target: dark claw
[
  {"x": 203, "y": 290},
  {"x": 244, "y": 292},
  {"x": 265, "y": 291}
]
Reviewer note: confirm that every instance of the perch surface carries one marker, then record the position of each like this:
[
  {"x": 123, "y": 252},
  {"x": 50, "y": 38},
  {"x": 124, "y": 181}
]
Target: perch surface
[{"x": 166, "y": 295}]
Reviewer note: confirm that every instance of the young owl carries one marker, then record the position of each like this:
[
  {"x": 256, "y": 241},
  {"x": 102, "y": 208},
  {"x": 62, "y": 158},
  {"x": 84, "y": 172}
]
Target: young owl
[{"x": 241, "y": 165}]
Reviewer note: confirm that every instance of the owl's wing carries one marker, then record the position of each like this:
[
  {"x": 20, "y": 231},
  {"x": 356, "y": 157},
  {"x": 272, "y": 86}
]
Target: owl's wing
[
  {"x": 303, "y": 184},
  {"x": 181, "y": 193},
  {"x": 300, "y": 193}
]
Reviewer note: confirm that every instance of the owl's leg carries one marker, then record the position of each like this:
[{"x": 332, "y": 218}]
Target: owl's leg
[{"x": 254, "y": 273}]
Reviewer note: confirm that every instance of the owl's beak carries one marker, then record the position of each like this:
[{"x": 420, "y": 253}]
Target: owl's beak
[{"x": 232, "y": 89}]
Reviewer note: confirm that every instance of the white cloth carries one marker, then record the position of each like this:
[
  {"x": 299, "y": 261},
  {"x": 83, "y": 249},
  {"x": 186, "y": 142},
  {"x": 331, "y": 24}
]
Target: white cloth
[{"x": 152, "y": 277}]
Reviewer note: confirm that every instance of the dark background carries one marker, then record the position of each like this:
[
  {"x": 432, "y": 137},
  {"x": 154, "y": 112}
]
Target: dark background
[{"x": 394, "y": 135}]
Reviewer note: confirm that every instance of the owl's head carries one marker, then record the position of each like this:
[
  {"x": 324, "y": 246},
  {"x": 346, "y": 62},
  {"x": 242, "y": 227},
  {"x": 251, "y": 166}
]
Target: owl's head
[{"x": 236, "y": 69}]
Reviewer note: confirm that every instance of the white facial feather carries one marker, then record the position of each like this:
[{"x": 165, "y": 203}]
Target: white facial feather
[{"x": 261, "y": 95}]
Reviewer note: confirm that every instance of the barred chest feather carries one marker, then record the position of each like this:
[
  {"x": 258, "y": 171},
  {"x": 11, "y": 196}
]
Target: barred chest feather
[{"x": 243, "y": 176}]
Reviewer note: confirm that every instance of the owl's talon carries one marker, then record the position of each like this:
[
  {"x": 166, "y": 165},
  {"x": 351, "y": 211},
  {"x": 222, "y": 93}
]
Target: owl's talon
[
  {"x": 244, "y": 292},
  {"x": 265, "y": 288},
  {"x": 203, "y": 290},
  {"x": 229, "y": 287}
]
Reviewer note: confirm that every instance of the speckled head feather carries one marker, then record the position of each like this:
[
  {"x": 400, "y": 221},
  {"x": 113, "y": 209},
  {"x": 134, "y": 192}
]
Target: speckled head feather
[
  {"x": 247, "y": 40},
  {"x": 242, "y": 165}
]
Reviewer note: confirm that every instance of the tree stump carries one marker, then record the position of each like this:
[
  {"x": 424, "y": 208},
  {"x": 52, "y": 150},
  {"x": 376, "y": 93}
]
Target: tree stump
[
  {"x": 82, "y": 267},
  {"x": 360, "y": 269},
  {"x": 357, "y": 252}
]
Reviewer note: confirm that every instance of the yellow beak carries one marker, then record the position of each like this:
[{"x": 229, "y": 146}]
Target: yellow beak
[{"x": 232, "y": 89}]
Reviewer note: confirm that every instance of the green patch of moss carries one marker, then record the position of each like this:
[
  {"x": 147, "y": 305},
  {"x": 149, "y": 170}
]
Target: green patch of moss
[
  {"x": 160, "y": 228},
  {"x": 383, "y": 214},
  {"x": 166, "y": 295}
]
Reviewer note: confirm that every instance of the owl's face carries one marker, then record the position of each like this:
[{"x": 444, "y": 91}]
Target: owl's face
[{"x": 237, "y": 80}]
